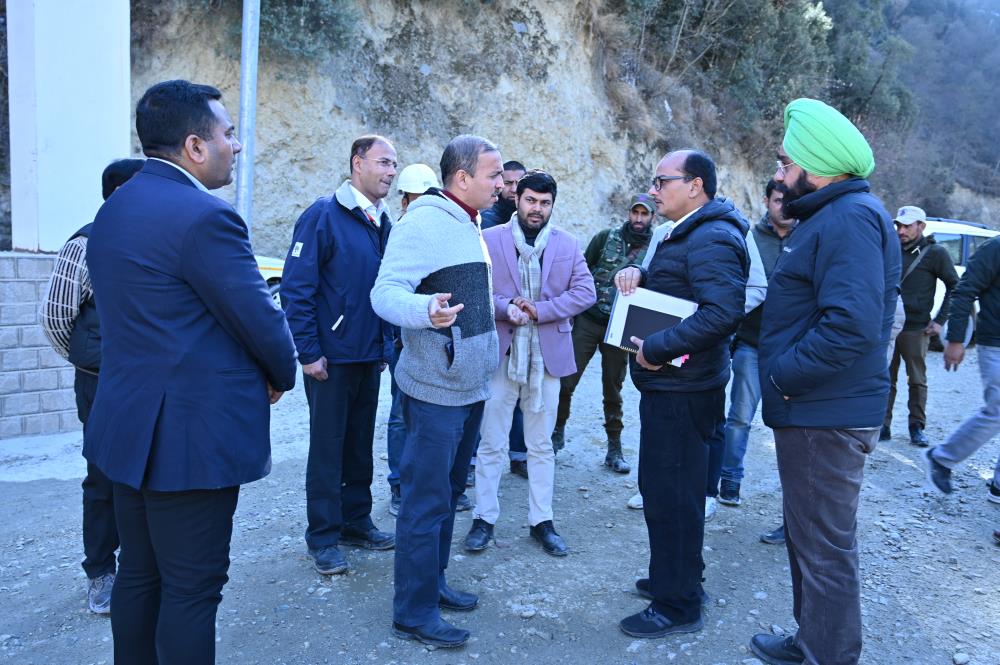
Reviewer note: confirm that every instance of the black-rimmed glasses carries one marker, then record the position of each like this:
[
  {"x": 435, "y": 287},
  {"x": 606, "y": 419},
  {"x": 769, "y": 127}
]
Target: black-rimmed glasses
[{"x": 660, "y": 179}]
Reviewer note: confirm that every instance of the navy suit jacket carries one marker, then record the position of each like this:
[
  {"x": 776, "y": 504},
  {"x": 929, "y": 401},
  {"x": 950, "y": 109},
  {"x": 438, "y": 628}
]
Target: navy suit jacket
[{"x": 190, "y": 338}]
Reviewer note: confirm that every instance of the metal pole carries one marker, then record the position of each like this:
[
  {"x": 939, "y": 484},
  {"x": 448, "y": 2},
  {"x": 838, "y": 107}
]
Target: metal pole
[{"x": 248, "y": 109}]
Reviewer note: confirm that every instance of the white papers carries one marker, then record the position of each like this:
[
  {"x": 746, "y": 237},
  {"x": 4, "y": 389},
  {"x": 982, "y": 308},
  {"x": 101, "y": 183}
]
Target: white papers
[{"x": 643, "y": 313}]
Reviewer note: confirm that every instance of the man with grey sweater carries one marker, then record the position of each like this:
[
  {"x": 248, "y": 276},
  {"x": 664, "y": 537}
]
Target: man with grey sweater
[{"x": 435, "y": 283}]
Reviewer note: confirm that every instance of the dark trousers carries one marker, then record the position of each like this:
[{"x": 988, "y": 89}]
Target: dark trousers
[
  {"x": 174, "y": 563},
  {"x": 100, "y": 533},
  {"x": 439, "y": 443},
  {"x": 673, "y": 463},
  {"x": 588, "y": 337},
  {"x": 339, "y": 469},
  {"x": 716, "y": 452},
  {"x": 910, "y": 349},
  {"x": 821, "y": 473}
]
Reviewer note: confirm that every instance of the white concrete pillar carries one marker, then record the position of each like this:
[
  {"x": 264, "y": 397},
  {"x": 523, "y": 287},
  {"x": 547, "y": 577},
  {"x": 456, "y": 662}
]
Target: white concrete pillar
[{"x": 70, "y": 112}]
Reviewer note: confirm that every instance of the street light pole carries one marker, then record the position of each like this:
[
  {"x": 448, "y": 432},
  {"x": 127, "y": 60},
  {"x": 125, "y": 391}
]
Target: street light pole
[{"x": 248, "y": 110}]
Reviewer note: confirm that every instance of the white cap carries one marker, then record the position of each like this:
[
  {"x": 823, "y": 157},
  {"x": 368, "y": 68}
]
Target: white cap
[
  {"x": 910, "y": 215},
  {"x": 417, "y": 179}
]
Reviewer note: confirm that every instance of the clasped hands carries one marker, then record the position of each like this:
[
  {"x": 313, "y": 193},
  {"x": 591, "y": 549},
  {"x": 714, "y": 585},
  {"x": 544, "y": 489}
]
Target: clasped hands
[{"x": 521, "y": 310}]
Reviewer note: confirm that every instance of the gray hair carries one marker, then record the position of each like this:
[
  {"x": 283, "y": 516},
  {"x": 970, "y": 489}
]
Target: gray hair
[{"x": 462, "y": 154}]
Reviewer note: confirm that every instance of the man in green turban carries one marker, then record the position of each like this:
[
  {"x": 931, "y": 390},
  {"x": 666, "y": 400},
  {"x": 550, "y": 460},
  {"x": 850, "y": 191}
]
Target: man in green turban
[{"x": 822, "y": 358}]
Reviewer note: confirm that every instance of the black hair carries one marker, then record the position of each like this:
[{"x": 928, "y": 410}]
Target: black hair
[
  {"x": 363, "y": 144},
  {"x": 774, "y": 185},
  {"x": 171, "y": 111},
  {"x": 513, "y": 165},
  {"x": 539, "y": 181},
  {"x": 700, "y": 165},
  {"x": 117, "y": 173},
  {"x": 462, "y": 154}
]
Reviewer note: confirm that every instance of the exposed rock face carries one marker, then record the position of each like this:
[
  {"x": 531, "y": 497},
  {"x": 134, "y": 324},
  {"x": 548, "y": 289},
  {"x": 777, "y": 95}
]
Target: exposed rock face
[{"x": 421, "y": 73}]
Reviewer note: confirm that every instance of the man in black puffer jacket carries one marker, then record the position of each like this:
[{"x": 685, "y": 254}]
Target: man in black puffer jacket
[{"x": 704, "y": 259}]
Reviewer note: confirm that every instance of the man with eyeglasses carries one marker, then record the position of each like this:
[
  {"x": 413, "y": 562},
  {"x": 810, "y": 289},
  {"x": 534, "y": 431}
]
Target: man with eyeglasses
[
  {"x": 343, "y": 346},
  {"x": 703, "y": 259},
  {"x": 830, "y": 306}
]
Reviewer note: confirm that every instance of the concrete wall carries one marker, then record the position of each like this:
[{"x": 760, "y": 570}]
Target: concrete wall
[{"x": 36, "y": 384}]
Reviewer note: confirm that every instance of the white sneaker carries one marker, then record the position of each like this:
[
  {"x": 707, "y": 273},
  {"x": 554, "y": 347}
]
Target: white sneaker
[
  {"x": 635, "y": 503},
  {"x": 711, "y": 505}
]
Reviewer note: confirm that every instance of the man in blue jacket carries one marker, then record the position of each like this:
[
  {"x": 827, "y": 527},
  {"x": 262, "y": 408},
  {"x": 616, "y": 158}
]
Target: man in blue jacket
[
  {"x": 824, "y": 379},
  {"x": 193, "y": 353},
  {"x": 703, "y": 259},
  {"x": 336, "y": 251}
]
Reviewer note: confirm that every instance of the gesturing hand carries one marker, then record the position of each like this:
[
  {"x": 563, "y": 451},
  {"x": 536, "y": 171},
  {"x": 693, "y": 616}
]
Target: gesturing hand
[
  {"x": 641, "y": 359},
  {"x": 443, "y": 316},
  {"x": 627, "y": 280}
]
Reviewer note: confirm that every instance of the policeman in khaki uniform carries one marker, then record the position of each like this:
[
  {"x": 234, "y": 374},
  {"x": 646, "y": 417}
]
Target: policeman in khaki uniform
[{"x": 608, "y": 252}]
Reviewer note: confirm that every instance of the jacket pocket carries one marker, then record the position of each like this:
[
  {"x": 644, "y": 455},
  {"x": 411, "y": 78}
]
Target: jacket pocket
[
  {"x": 565, "y": 326},
  {"x": 475, "y": 359}
]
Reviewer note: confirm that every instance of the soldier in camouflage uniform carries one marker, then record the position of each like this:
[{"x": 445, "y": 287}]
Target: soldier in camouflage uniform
[{"x": 608, "y": 252}]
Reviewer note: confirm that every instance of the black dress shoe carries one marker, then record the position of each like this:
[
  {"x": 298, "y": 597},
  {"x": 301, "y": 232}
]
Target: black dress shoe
[
  {"x": 328, "y": 561},
  {"x": 643, "y": 589},
  {"x": 519, "y": 467},
  {"x": 885, "y": 434},
  {"x": 649, "y": 624},
  {"x": 459, "y": 601},
  {"x": 372, "y": 539},
  {"x": 918, "y": 438},
  {"x": 616, "y": 462},
  {"x": 552, "y": 542},
  {"x": 776, "y": 537},
  {"x": 777, "y": 649},
  {"x": 479, "y": 536},
  {"x": 438, "y": 634}
]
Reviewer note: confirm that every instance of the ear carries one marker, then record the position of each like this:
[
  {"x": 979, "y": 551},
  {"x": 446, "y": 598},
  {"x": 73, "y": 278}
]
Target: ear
[{"x": 194, "y": 149}]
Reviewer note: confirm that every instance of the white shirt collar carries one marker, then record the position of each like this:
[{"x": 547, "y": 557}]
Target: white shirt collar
[
  {"x": 197, "y": 183},
  {"x": 374, "y": 211}
]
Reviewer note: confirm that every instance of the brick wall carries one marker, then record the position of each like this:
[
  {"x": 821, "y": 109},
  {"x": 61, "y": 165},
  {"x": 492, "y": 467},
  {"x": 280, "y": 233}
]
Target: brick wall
[{"x": 36, "y": 384}]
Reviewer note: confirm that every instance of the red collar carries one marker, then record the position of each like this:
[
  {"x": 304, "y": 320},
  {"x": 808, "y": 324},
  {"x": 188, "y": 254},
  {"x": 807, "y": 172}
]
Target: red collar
[{"x": 472, "y": 212}]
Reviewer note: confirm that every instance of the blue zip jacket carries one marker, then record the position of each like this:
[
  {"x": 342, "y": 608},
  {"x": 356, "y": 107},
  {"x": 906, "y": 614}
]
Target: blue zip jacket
[
  {"x": 704, "y": 260},
  {"x": 329, "y": 272},
  {"x": 829, "y": 309}
]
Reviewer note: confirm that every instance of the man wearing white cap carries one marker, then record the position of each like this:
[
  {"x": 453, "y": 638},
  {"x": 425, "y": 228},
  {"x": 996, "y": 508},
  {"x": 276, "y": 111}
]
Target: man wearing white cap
[{"x": 924, "y": 263}]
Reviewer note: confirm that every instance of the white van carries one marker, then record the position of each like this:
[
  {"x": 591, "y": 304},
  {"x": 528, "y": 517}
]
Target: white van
[{"x": 961, "y": 239}]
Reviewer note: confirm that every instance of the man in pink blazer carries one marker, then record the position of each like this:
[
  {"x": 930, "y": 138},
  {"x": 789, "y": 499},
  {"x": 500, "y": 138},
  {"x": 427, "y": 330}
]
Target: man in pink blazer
[{"x": 540, "y": 282}]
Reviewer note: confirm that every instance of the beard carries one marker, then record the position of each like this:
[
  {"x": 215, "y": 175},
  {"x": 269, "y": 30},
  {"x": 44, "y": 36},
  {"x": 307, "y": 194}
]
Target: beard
[
  {"x": 532, "y": 222},
  {"x": 796, "y": 191}
]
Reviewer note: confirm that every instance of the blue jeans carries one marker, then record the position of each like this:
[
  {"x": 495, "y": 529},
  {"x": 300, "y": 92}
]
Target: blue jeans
[
  {"x": 981, "y": 426},
  {"x": 432, "y": 472},
  {"x": 744, "y": 398},
  {"x": 395, "y": 429}
]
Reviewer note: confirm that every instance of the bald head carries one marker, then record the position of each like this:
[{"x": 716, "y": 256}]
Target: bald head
[{"x": 684, "y": 181}]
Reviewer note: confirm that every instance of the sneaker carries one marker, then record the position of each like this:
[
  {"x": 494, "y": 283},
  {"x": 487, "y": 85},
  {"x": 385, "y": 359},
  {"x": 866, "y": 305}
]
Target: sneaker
[
  {"x": 615, "y": 462},
  {"x": 776, "y": 537},
  {"x": 711, "y": 505},
  {"x": 994, "y": 495},
  {"x": 559, "y": 437},
  {"x": 938, "y": 475},
  {"x": 464, "y": 503},
  {"x": 729, "y": 493},
  {"x": 996, "y": 537},
  {"x": 99, "y": 593},
  {"x": 635, "y": 502},
  {"x": 649, "y": 624},
  {"x": 918, "y": 438},
  {"x": 885, "y": 434},
  {"x": 328, "y": 561},
  {"x": 394, "y": 501}
]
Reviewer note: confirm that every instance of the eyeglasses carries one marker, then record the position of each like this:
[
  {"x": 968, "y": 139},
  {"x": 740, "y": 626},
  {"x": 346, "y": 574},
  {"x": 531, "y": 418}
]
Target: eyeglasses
[
  {"x": 383, "y": 162},
  {"x": 782, "y": 167},
  {"x": 660, "y": 179}
]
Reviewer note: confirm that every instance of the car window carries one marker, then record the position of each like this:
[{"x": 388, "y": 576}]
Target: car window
[
  {"x": 975, "y": 242},
  {"x": 953, "y": 243}
]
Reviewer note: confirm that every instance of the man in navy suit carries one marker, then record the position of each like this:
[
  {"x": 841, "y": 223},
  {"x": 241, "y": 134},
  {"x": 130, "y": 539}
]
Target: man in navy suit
[{"x": 193, "y": 353}]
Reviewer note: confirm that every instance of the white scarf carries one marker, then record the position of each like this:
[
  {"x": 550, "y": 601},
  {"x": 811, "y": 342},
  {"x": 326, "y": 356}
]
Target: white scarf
[{"x": 526, "y": 366}]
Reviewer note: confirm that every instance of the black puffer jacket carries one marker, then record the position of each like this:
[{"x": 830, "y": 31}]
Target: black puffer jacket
[
  {"x": 981, "y": 280},
  {"x": 704, "y": 260}
]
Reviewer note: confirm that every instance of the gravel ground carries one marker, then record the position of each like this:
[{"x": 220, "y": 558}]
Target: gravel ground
[{"x": 928, "y": 564}]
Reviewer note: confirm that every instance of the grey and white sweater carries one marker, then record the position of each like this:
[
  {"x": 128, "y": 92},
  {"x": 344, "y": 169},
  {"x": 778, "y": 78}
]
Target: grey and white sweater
[{"x": 436, "y": 248}]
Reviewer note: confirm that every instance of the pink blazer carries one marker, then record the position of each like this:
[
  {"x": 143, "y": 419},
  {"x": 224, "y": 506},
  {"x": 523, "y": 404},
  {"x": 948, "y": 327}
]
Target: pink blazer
[{"x": 567, "y": 290}]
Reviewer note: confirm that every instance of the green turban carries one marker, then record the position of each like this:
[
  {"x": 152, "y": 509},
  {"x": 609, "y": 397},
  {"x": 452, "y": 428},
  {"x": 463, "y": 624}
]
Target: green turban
[{"x": 823, "y": 142}]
